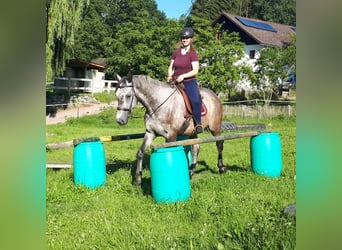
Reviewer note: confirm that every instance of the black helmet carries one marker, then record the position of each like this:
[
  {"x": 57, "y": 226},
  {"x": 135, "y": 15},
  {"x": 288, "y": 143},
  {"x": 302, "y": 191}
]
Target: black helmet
[{"x": 187, "y": 33}]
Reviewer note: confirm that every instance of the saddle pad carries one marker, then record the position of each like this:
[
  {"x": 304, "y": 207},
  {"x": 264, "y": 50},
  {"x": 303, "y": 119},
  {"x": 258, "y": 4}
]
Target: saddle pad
[
  {"x": 203, "y": 109},
  {"x": 187, "y": 102}
]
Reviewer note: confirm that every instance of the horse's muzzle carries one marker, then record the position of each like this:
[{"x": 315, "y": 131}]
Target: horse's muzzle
[{"x": 121, "y": 121}]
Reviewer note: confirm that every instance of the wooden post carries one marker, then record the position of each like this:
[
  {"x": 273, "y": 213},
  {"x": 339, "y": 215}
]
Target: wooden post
[
  {"x": 69, "y": 82},
  {"x": 289, "y": 111}
]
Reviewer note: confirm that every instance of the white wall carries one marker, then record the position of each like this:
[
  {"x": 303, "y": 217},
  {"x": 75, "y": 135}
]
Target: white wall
[
  {"x": 245, "y": 84},
  {"x": 98, "y": 83}
]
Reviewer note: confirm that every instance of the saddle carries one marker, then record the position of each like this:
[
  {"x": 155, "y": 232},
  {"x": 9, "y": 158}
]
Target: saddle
[{"x": 188, "y": 111}]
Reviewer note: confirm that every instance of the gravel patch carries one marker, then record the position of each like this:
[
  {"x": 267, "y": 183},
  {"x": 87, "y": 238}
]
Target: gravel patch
[{"x": 83, "y": 109}]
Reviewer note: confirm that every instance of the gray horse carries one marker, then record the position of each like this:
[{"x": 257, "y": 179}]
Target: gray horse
[{"x": 166, "y": 114}]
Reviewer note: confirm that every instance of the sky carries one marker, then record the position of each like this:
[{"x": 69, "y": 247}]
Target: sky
[{"x": 173, "y": 8}]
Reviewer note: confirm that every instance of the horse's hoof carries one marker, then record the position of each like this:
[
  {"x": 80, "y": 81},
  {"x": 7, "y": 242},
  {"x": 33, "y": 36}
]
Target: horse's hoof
[
  {"x": 137, "y": 183},
  {"x": 137, "y": 180},
  {"x": 191, "y": 173},
  {"x": 222, "y": 169}
]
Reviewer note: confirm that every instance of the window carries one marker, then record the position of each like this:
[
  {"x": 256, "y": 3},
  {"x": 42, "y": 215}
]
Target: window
[{"x": 251, "y": 54}]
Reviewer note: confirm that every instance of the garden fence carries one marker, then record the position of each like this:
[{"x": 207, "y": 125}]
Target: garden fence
[{"x": 256, "y": 109}]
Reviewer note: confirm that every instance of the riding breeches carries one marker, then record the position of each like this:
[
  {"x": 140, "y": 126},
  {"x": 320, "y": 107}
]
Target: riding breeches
[{"x": 192, "y": 90}]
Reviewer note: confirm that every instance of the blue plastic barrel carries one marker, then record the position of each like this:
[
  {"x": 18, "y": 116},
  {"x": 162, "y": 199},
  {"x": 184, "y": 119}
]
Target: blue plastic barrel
[
  {"x": 187, "y": 149},
  {"x": 89, "y": 164},
  {"x": 170, "y": 181},
  {"x": 266, "y": 154}
]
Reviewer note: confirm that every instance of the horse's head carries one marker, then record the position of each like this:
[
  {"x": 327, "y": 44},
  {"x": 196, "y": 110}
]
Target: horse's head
[{"x": 126, "y": 98}]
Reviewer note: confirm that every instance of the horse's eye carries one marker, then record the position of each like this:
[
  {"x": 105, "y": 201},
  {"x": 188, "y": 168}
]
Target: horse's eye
[{"x": 128, "y": 96}]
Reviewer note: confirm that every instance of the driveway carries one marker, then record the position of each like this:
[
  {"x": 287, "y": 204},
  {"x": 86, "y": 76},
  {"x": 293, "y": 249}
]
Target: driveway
[{"x": 81, "y": 110}]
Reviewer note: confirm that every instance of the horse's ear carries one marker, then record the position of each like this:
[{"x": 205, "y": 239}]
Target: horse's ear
[
  {"x": 129, "y": 76},
  {"x": 117, "y": 76}
]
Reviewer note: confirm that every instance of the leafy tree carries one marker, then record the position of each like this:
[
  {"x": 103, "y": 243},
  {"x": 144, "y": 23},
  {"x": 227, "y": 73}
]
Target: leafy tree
[
  {"x": 142, "y": 39},
  {"x": 211, "y": 9},
  {"x": 219, "y": 57},
  {"x": 279, "y": 11},
  {"x": 289, "y": 55},
  {"x": 270, "y": 70},
  {"x": 90, "y": 38},
  {"x": 63, "y": 19},
  {"x": 130, "y": 34}
]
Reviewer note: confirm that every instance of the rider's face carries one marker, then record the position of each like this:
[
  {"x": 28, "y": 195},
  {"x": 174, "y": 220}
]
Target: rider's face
[{"x": 186, "y": 41}]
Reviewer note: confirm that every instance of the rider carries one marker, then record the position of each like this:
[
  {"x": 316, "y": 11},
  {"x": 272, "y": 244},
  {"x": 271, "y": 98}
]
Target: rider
[{"x": 184, "y": 66}]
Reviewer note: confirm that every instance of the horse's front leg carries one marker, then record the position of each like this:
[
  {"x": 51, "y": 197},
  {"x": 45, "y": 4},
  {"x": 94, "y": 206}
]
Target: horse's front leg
[
  {"x": 148, "y": 138},
  {"x": 222, "y": 168},
  {"x": 195, "y": 152}
]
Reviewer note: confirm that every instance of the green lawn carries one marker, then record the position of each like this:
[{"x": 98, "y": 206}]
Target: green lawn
[{"x": 236, "y": 210}]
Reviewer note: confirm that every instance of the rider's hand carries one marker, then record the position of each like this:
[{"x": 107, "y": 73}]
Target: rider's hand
[{"x": 180, "y": 78}]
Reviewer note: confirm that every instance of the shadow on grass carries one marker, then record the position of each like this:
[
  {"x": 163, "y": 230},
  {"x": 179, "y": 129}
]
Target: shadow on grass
[
  {"x": 233, "y": 168},
  {"x": 146, "y": 186},
  {"x": 116, "y": 165},
  {"x": 236, "y": 168},
  {"x": 146, "y": 181},
  {"x": 111, "y": 168}
]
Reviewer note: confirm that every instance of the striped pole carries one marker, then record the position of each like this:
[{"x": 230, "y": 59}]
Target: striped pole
[{"x": 108, "y": 138}]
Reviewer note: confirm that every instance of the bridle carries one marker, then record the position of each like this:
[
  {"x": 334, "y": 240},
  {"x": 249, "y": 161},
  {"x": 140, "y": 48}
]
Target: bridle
[{"x": 131, "y": 104}]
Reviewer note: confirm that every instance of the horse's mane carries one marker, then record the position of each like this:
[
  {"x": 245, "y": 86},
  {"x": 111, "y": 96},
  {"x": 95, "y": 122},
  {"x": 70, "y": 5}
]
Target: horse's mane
[{"x": 150, "y": 80}]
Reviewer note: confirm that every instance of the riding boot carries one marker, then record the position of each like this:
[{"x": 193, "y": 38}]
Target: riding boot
[{"x": 198, "y": 128}]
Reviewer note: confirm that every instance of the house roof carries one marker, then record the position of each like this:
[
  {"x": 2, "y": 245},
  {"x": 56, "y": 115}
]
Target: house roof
[
  {"x": 256, "y": 35},
  {"x": 86, "y": 64}
]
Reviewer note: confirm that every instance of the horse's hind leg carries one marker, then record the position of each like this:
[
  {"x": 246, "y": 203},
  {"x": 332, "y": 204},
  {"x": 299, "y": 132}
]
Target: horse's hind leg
[
  {"x": 221, "y": 167},
  {"x": 219, "y": 145},
  {"x": 148, "y": 138}
]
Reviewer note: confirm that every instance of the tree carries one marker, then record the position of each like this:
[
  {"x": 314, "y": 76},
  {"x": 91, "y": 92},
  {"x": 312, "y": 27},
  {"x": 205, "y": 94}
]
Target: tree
[
  {"x": 141, "y": 37},
  {"x": 211, "y": 9},
  {"x": 94, "y": 28},
  {"x": 270, "y": 70},
  {"x": 279, "y": 11},
  {"x": 219, "y": 57},
  {"x": 289, "y": 55},
  {"x": 63, "y": 19}
]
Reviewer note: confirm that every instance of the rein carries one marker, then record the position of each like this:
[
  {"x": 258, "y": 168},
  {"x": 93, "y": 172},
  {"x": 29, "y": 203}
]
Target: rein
[{"x": 154, "y": 110}]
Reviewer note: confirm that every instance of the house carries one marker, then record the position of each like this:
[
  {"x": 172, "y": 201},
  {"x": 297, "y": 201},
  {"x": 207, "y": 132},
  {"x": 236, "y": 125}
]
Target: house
[
  {"x": 83, "y": 77},
  {"x": 256, "y": 35}
]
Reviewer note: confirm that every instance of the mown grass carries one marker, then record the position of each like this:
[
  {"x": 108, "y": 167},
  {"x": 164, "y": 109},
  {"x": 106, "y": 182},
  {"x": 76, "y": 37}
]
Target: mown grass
[{"x": 236, "y": 210}]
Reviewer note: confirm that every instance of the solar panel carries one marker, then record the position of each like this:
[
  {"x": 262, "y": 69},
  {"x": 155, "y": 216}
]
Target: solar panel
[{"x": 255, "y": 24}]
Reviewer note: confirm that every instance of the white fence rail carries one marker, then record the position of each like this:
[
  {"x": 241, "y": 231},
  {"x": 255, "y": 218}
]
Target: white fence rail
[{"x": 72, "y": 84}]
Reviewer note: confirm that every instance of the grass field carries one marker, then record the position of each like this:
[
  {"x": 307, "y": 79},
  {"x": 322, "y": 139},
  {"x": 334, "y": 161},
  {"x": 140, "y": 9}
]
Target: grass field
[{"x": 236, "y": 210}]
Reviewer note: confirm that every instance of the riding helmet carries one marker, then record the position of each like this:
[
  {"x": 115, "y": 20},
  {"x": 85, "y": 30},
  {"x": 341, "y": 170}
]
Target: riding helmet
[{"x": 187, "y": 33}]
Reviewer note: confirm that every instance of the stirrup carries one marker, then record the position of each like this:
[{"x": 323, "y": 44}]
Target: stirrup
[{"x": 199, "y": 129}]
